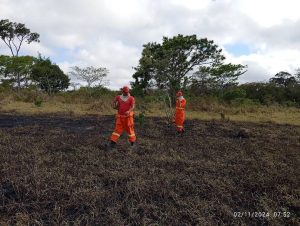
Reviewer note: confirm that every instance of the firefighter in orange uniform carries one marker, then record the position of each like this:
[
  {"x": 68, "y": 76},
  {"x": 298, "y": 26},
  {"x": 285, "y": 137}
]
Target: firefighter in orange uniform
[
  {"x": 179, "y": 113},
  {"x": 124, "y": 118}
]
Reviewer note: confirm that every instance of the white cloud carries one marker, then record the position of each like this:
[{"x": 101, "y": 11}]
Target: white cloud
[
  {"x": 263, "y": 66},
  {"x": 110, "y": 33},
  {"x": 112, "y": 54},
  {"x": 35, "y": 48},
  {"x": 192, "y": 4},
  {"x": 268, "y": 13}
]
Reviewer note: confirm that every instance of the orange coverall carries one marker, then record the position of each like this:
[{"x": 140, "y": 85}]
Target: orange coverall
[
  {"x": 124, "y": 122},
  {"x": 179, "y": 114}
]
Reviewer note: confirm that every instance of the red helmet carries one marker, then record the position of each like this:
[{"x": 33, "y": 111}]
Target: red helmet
[
  {"x": 179, "y": 94},
  {"x": 125, "y": 89}
]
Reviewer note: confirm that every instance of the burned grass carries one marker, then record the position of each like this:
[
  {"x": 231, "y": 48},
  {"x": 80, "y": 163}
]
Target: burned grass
[{"x": 55, "y": 171}]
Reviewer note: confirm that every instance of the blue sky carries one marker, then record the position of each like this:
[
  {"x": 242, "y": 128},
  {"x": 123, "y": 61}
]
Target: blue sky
[
  {"x": 238, "y": 49},
  {"x": 263, "y": 34}
]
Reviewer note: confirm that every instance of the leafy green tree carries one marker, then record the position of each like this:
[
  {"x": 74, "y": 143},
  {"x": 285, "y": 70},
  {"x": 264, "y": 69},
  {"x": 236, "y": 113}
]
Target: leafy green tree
[
  {"x": 48, "y": 76},
  {"x": 3, "y": 60},
  {"x": 90, "y": 75},
  {"x": 297, "y": 75},
  {"x": 255, "y": 90},
  {"x": 203, "y": 84},
  {"x": 6, "y": 83},
  {"x": 268, "y": 93},
  {"x": 74, "y": 85},
  {"x": 224, "y": 75},
  {"x": 168, "y": 65},
  {"x": 283, "y": 79},
  {"x": 216, "y": 79},
  {"x": 293, "y": 92},
  {"x": 288, "y": 87},
  {"x": 234, "y": 93},
  {"x": 18, "y": 69},
  {"x": 14, "y": 34}
]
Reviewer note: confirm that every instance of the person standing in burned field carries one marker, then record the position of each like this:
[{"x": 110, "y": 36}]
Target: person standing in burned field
[
  {"x": 179, "y": 113},
  {"x": 125, "y": 104}
]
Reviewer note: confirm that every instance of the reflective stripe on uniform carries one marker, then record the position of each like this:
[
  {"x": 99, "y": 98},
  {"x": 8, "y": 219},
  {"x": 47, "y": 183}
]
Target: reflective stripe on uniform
[
  {"x": 179, "y": 126},
  {"x": 116, "y": 134},
  {"x": 131, "y": 135},
  {"x": 125, "y": 116},
  {"x": 180, "y": 108}
]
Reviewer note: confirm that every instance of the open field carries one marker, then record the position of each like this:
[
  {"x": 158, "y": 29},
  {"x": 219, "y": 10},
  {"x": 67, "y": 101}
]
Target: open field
[
  {"x": 260, "y": 114},
  {"x": 202, "y": 108},
  {"x": 55, "y": 171}
]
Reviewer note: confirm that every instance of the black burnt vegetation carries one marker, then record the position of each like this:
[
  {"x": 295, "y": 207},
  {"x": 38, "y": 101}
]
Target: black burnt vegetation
[{"x": 55, "y": 171}]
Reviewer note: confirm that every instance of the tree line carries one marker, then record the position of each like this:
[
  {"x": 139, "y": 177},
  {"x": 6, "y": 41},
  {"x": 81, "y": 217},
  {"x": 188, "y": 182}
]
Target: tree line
[{"x": 194, "y": 65}]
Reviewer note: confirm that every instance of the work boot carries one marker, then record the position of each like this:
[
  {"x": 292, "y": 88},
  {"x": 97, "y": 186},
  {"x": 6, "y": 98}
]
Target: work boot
[
  {"x": 182, "y": 131},
  {"x": 132, "y": 145},
  {"x": 110, "y": 146}
]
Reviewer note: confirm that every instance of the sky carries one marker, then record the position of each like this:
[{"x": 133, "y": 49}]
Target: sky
[{"x": 262, "y": 34}]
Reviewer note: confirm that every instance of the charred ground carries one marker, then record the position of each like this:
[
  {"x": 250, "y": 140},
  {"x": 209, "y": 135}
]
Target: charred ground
[{"x": 54, "y": 171}]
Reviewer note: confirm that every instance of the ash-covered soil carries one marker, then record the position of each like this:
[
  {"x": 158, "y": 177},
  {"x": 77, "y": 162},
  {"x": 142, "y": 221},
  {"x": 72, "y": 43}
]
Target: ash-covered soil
[{"x": 54, "y": 171}]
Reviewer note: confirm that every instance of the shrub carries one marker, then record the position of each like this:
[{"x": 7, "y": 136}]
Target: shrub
[
  {"x": 234, "y": 93},
  {"x": 38, "y": 101},
  {"x": 25, "y": 95},
  {"x": 2, "y": 89},
  {"x": 291, "y": 104},
  {"x": 140, "y": 119},
  {"x": 244, "y": 102}
]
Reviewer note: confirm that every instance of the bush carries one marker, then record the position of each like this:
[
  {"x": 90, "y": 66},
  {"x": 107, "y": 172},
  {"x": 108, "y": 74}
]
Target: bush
[
  {"x": 7, "y": 83},
  {"x": 98, "y": 91},
  {"x": 25, "y": 95},
  {"x": 150, "y": 99},
  {"x": 244, "y": 102},
  {"x": 206, "y": 103},
  {"x": 2, "y": 89},
  {"x": 140, "y": 119},
  {"x": 235, "y": 93},
  {"x": 291, "y": 104},
  {"x": 38, "y": 101},
  {"x": 268, "y": 99}
]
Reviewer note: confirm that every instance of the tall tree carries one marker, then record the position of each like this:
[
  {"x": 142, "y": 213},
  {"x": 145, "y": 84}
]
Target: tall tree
[
  {"x": 48, "y": 76},
  {"x": 168, "y": 65},
  {"x": 283, "y": 79},
  {"x": 90, "y": 75},
  {"x": 14, "y": 34},
  {"x": 18, "y": 69},
  {"x": 74, "y": 85}
]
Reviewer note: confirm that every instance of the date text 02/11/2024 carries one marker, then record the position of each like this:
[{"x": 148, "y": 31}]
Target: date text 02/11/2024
[{"x": 262, "y": 214}]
